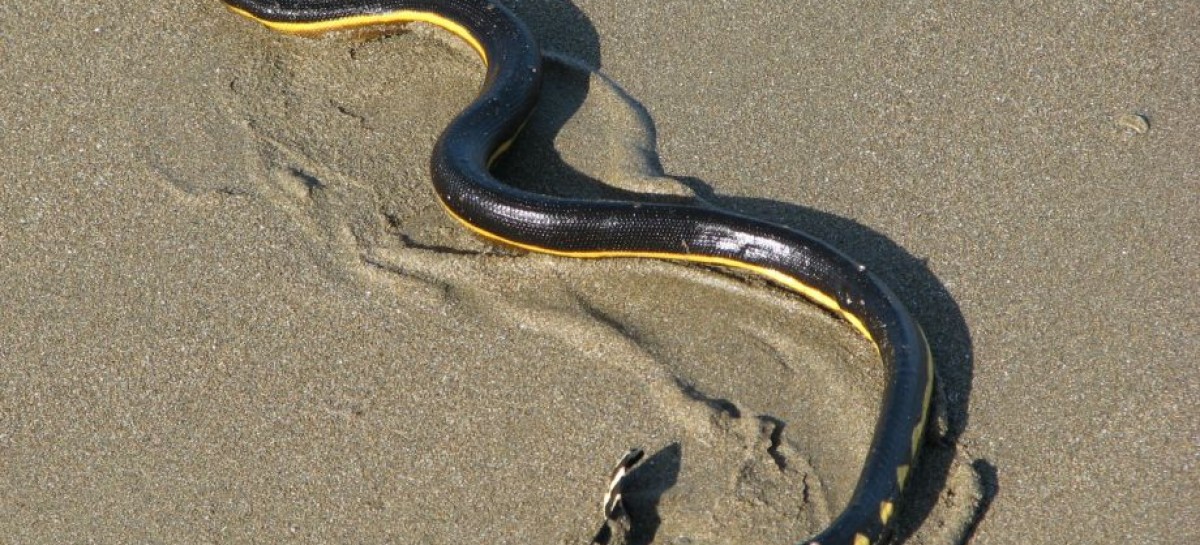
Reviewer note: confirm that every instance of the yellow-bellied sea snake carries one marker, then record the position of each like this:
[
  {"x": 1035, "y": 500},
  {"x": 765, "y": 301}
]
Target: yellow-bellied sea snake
[{"x": 595, "y": 229}]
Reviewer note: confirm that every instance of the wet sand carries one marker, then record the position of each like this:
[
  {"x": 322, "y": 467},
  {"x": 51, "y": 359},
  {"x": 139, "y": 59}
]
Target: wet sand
[{"x": 233, "y": 310}]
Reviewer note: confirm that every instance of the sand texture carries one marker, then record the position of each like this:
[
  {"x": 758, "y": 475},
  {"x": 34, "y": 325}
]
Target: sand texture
[{"x": 233, "y": 311}]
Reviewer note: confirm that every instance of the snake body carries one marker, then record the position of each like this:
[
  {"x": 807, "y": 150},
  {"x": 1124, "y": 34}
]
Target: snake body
[{"x": 602, "y": 229}]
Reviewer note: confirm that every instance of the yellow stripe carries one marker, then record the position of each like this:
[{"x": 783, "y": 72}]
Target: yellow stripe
[
  {"x": 885, "y": 511},
  {"x": 501, "y": 149},
  {"x": 920, "y": 428},
  {"x": 860, "y": 539},
  {"x": 786, "y": 280},
  {"x": 374, "y": 19}
]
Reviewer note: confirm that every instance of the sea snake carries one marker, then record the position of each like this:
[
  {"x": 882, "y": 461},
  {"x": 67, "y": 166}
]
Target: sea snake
[{"x": 607, "y": 228}]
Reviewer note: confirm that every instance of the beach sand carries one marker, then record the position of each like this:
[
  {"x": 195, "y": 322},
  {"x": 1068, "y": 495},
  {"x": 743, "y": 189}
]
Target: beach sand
[{"x": 233, "y": 310}]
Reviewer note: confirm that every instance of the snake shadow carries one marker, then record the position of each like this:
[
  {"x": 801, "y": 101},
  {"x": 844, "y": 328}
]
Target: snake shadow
[{"x": 533, "y": 163}]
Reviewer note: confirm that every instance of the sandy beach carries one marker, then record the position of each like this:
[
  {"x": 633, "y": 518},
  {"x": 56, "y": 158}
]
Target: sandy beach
[{"x": 233, "y": 310}]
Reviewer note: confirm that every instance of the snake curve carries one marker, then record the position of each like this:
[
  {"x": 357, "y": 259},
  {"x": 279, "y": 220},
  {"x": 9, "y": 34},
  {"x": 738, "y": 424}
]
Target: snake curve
[{"x": 607, "y": 229}]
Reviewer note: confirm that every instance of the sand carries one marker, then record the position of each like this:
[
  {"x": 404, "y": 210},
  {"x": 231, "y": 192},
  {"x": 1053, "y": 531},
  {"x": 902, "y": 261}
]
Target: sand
[{"x": 234, "y": 312}]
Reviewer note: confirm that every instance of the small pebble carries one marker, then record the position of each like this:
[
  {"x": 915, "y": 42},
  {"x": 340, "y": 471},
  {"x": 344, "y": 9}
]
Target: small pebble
[{"x": 1136, "y": 123}]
